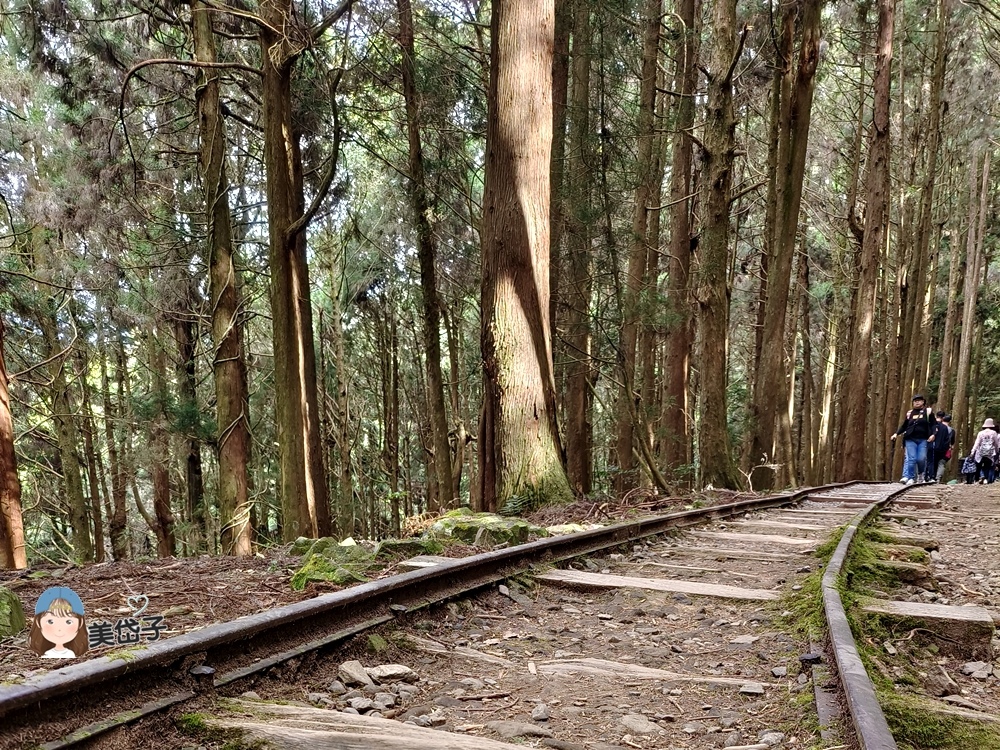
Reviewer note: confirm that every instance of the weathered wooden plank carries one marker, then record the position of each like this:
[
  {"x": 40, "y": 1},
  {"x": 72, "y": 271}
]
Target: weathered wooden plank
[
  {"x": 966, "y": 630},
  {"x": 721, "y": 553},
  {"x": 433, "y": 647},
  {"x": 605, "y": 668},
  {"x": 300, "y": 727},
  {"x": 598, "y": 580},
  {"x": 733, "y": 536},
  {"x": 780, "y": 525}
]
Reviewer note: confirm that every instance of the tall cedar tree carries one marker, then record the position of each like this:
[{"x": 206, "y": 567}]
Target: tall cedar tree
[
  {"x": 229, "y": 360},
  {"x": 852, "y": 450},
  {"x": 717, "y": 467},
  {"x": 426, "y": 254},
  {"x": 520, "y": 453}
]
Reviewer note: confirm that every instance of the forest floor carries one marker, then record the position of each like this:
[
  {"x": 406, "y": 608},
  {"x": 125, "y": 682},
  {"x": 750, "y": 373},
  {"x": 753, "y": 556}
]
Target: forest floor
[{"x": 192, "y": 593}]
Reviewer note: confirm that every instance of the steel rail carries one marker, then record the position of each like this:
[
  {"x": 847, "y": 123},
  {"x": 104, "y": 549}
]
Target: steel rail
[
  {"x": 866, "y": 714},
  {"x": 309, "y": 623}
]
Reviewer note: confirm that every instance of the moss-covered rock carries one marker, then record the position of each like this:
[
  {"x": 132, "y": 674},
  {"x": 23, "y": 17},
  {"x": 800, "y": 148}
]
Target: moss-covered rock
[
  {"x": 11, "y": 613},
  {"x": 483, "y": 529},
  {"x": 330, "y": 560},
  {"x": 400, "y": 549}
]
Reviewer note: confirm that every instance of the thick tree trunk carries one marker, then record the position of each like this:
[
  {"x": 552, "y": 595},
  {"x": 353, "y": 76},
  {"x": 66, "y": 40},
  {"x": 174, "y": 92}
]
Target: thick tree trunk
[
  {"x": 772, "y": 391},
  {"x": 304, "y": 493},
  {"x": 229, "y": 358},
  {"x": 565, "y": 12},
  {"x": 713, "y": 291},
  {"x": 426, "y": 253},
  {"x": 852, "y": 450},
  {"x": 677, "y": 417},
  {"x": 579, "y": 367},
  {"x": 12, "y": 549},
  {"x": 520, "y": 452}
]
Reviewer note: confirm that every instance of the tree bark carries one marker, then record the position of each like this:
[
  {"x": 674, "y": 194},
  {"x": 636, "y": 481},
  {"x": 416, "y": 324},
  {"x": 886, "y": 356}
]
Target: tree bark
[
  {"x": 304, "y": 493},
  {"x": 676, "y": 418},
  {"x": 579, "y": 368},
  {"x": 229, "y": 358},
  {"x": 713, "y": 290},
  {"x": 646, "y": 197},
  {"x": 970, "y": 296},
  {"x": 13, "y": 553},
  {"x": 119, "y": 521},
  {"x": 852, "y": 450},
  {"x": 772, "y": 391},
  {"x": 520, "y": 451},
  {"x": 426, "y": 254},
  {"x": 159, "y": 449}
]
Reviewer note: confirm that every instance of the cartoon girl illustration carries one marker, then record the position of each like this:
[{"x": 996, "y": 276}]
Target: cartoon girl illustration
[{"x": 59, "y": 630}]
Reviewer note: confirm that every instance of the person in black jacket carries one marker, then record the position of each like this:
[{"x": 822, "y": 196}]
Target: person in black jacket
[
  {"x": 938, "y": 449},
  {"x": 917, "y": 433}
]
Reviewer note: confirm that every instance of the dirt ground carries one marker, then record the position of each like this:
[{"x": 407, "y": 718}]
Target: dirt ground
[{"x": 192, "y": 593}]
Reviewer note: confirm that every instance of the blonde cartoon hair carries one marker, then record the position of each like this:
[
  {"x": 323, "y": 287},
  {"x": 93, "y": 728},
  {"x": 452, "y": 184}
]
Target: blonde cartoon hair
[{"x": 60, "y": 608}]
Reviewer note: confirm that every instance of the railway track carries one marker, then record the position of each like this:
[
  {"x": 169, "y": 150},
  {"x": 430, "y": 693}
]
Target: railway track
[{"x": 667, "y": 632}]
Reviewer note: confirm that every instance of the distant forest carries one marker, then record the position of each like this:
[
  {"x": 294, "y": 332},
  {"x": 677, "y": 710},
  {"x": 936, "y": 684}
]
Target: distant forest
[{"x": 283, "y": 268}]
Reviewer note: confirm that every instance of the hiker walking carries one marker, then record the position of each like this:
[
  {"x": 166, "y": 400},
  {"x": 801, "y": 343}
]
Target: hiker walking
[
  {"x": 985, "y": 451},
  {"x": 917, "y": 433}
]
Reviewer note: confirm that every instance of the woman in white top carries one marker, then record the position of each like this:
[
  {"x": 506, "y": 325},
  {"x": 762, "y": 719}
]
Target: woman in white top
[{"x": 985, "y": 451}]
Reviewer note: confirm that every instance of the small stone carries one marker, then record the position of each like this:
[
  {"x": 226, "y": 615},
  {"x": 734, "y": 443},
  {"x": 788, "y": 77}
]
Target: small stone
[
  {"x": 811, "y": 658},
  {"x": 970, "y": 668},
  {"x": 424, "y": 720},
  {"x": 744, "y": 640},
  {"x": 362, "y": 704},
  {"x": 779, "y": 672},
  {"x": 540, "y": 712},
  {"x": 889, "y": 648},
  {"x": 639, "y": 724},
  {"x": 349, "y": 710},
  {"x": 752, "y": 688},
  {"x": 319, "y": 699},
  {"x": 384, "y": 700},
  {"x": 392, "y": 673},
  {"x": 353, "y": 673},
  {"x": 694, "y": 727},
  {"x": 771, "y": 738},
  {"x": 250, "y": 695},
  {"x": 336, "y": 688}
]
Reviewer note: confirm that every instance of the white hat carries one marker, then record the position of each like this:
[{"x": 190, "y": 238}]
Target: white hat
[{"x": 988, "y": 423}]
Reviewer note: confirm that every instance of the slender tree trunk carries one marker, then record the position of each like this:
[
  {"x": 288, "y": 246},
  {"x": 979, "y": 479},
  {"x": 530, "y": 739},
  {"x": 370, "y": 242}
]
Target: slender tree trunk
[
  {"x": 520, "y": 452},
  {"x": 579, "y": 368},
  {"x": 951, "y": 319},
  {"x": 120, "y": 549},
  {"x": 717, "y": 467},
  {"x": 64, "y": 417},
  {"x": 346, "y": 513},
  {"x": 426, "y": 254},
  {"x": 852, "y": 450},
  {"x": 645, "y": 199},
  {"x": 565, "y": 11},
  {"x": 159, "y": 448},
  {"x": 12, "y": 549},
  {"x": 229, "y": 358},
  {"x": 194, "y": 485},
  {"x": 970, "y": 296},
  {"x": 676, "y": 418},
  {"x": 89, "y": 450}
]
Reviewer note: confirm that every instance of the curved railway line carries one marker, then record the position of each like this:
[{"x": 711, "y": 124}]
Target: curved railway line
[{"x": 664, "y": 632}]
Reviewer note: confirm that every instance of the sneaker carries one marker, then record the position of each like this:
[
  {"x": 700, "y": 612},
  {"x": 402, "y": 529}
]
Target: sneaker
[
  {"x": 902, "y": 480},
  {"x": 909, "y": 481}
]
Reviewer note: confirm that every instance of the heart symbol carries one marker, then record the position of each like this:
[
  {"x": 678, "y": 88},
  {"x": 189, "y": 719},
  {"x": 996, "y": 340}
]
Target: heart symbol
[{"x": 137, "y": 604}]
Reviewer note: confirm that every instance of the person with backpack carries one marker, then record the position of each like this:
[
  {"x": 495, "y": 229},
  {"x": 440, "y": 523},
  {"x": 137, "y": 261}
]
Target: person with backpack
[
  {"x": 939, "y": 450},
  {"x": 985, "y": 451},
  {"x": 917, "y": 433}
]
